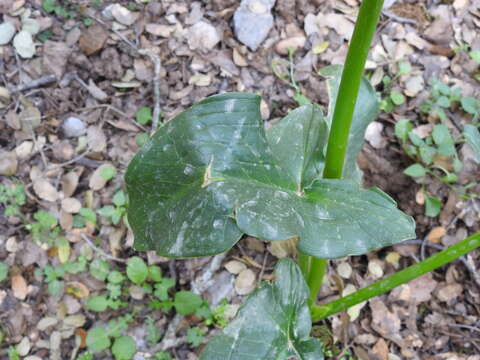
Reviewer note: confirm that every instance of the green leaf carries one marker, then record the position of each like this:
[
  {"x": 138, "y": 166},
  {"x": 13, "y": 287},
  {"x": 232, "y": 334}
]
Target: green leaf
[
  {"x": 443, "y": 102},
  {"x": 397, "y": 98},
  {"x": 404, "y": 68},
  {"x": 187, "y": 302},
  {"x": 142, "y": 139},
  {"x": 457, "y": 165},
  {"x": 124, "y": 348},
  {"x": 444, "y": 140},
  {"x": 475, "y": 55},
  {"x": 97, "y": 303},
  {"x": 415, "y": 170},
  {"x": 49, "y": 5},
  {"x": 415, "y": 139},
  {"x": 427, "y": 153},
  {"x": 433, "y": 206},
  {"x": 195, "y": 336},
  {"x": 137, "y": 270},
  {"x": 470, "y": 105},
  {"x": 99, "y": 269},
  {"x": 144, "y": 115},
  {"x": 301, "y": 99},
  {"x": 450, "y": 178},
  {"x": 472, "y": 136},
  {"x": 161, "y": 288},
  {"x": 89, "y": 215},
  {"x": 273, "y": 323},
  {"x": 108, "y": 172},
  {"x": 441, "y": 134},
  {"x": 298, "y": 142},
  {"x": 45, "y": 219},
  {"x": 155, "y": 273},
  {"x": 97, "y": 339},
  {"x": 210, "y": 175},
  {"x": 119, "y": 199},
  {"x": 3, "y": 271},
  {"x": 106, "y": 211},
  {"x": 115, "y": 277},
  {"x": 402, "y": 129},
  {"x": 56, "y": 288}
]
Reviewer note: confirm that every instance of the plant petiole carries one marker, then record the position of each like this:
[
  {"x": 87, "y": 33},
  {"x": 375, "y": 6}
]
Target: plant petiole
[{"x": 397, "y": 279}]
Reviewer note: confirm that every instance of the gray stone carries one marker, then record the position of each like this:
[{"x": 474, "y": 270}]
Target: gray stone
[
  {"x": 202, "y": 36},
  {"x": 7, "y": 30},
  {"x": 74, "y": 127},
  {"x": 252, "y": 22}
]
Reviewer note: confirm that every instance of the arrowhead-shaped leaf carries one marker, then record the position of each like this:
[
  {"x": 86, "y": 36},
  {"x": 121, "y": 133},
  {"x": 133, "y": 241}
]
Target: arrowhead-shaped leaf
[
  {"x": 298, "y": 141},
  {"x": 210, "y": 175},
  {"x": 273, "y": 324}
]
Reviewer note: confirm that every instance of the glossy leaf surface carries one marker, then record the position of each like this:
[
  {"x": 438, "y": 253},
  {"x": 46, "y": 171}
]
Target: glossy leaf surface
[
  {"x": 212, "y": 174},
  {"x": 273, "y": 324}
]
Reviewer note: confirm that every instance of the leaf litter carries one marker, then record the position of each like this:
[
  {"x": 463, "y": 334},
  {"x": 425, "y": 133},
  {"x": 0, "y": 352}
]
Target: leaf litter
[{"x": 46, "y": 45}]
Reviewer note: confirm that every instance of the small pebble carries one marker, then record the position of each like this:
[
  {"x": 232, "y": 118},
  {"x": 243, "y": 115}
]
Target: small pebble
[
  {"x": 252, "y": 22},
  {"x": 74, "y": 127}
]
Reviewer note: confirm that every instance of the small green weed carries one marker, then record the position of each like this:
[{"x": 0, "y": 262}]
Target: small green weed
[
  {"x": 392, "y": 98},
  {"x": 285, "y": 71},
  {"x": 12, "y": 198},
  {"x": 434, "y": 153},
  {"x": 45, "y": 230},
  {"x": 114, "y": 213},
  {"x": 196, "y": 336}
]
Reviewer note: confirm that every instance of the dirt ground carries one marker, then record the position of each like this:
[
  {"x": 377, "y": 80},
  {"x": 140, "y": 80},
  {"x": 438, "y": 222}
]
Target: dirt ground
[{"x": 97, "y": 66}]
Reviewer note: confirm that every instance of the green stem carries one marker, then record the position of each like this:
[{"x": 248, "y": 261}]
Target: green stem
[
  {"x": 397, "y": 279},
  {"x": 318, "y": 268},
  {"x": 304, "y": 261},
  {"x": 342, "y": 116},
  {"x": 350, "y": 84}
]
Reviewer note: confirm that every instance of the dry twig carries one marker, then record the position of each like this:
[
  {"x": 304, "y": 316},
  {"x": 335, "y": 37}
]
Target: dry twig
[
  {"x": 100, "y": 251},
  {"x": 44, "y": 80}
]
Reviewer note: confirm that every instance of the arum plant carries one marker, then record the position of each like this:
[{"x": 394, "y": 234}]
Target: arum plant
[{"x": 213, "y": 174}]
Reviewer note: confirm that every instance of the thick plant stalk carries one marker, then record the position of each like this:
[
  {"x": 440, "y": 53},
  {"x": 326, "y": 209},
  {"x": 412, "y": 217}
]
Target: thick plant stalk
[
  {"x": 350, "y": 84},
  {"x": 318, "y": 268},
  {"x": 397, "y": 279},
  {"x": 342, "y": 116}
]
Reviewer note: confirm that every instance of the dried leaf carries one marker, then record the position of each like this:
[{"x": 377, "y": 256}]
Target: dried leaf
[
  {"x": 245, "y": 282},
  {"x": 71, "y": 205},
  {"x": 96, "y": 139},
  {"x": 436, "y": 234},
  {"x": 449, "y": 292},
  {"x": 55, "y": 57},
  {"x": 69, "y": 183},
  {"x": 383, "y": 320},
  {"x": 283, "y": 248},
  {"x": 93, "y": 39},
  {"x": 45, "y": 190},
  {"x": 77, "y": 289},
  {"x": 380, "y": 350},
  {"x": 30, "y": 117},
  {"x": 97, "y": 181},
  {"x": 375, "y": 268},
  {"x": 19, "y": 287},
  {"x": 344, "y": 270},
  {"x": 24, "y": 45},
  {"x": 8, "y": 163},
  {"x": 235, "y": 267}
]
